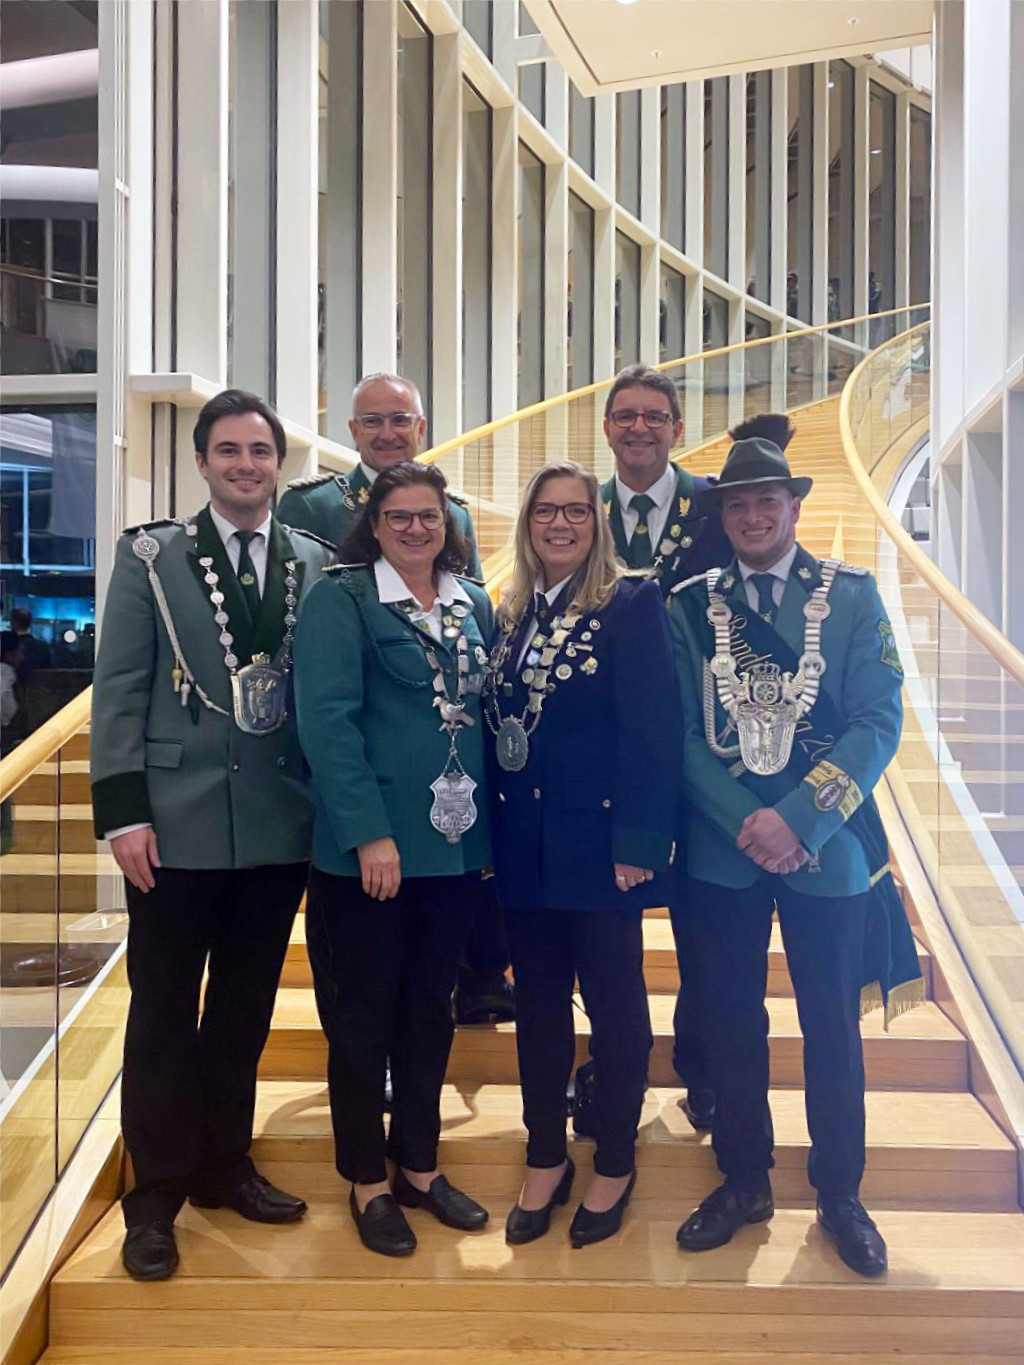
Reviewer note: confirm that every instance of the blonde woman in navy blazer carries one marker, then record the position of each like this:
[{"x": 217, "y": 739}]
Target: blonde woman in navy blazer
[{"x": 580, "y": 830}]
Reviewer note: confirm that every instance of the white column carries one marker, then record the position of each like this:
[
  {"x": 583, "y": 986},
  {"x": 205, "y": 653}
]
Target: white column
[
  {"x": 1013, "y": 518},
  {"x": 446, "y": 321},
  {"x": 694, "y": 208},
  {"x": 982, "y": 539},
  {"x": 380, "y": 185},
  {"x": 947, "y": 517},
  {"x": 505, "y": 262},
  {"x": 604, "y": 293},
  {"x": 604, "y": 143},
  {"x": 650, "y": 303},
  {"x": 861, "y": 195},
  {"x": 650, "y": 159},
  {"x": 693, "y": 374},
  {"x": 737, "y": 251},
  {"x": 780, "y": 186},
  {"x": 341, "y": 220},
  {"x": 202, "y": 189},
  {"x": 819, "y": 222},
  {"x": 298, "y": 39},
  {"x": 737, "y": 361},
  {"x": 901, "y": 293},
  {"x": 948, "y": 257},
  {"x": 556, "y": 277},
  {"x": 139, "y": 499}
]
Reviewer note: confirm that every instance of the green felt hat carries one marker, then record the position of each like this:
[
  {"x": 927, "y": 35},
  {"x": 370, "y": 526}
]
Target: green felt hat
[{"x": 755, "y": 461}]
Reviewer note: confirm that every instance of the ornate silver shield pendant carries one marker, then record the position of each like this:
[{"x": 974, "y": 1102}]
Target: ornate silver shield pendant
[
  {"x": 258, "y": 696},
  {"x": 511, "y": 745},
  {"x": 454, "y": 810}
]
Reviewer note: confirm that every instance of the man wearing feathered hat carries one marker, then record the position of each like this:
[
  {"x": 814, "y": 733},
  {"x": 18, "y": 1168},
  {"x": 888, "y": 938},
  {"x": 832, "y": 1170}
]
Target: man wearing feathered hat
[{"x": 791, "y": 690}]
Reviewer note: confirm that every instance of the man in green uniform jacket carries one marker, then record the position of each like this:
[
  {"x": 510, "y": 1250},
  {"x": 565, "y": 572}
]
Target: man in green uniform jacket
[
  {"x": 795, "y": 830},
  {"x": 387, "y": 426},
  {"x": 200, "y": 786}
]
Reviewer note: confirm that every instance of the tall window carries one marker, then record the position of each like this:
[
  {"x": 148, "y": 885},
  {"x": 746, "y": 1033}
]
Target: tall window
[
  {"x": 476, "y": 258},
  {"x": 478, "y": 19},
  {"x": 627, "y": 151},
  {"x": 840, "y": 190},
  {"x": 673, "y": 165},
  {"x": 759, "y": 185},
  {"x": 580, "y": 302},
  {"x": 415, "y": 137},
  {"x": 882, "y": 200},
  {"x": 920, "y": 205},
  {"x": 531, "y": 277},
  {"x": 581, "y": 130},
  {"x": 800, "y": 226},
  {"x": 671, "y": 315},
  {"x": 531, "y": 75},
  {"x": 716, "y": 175},
  {"x": 627, "y": 301}
]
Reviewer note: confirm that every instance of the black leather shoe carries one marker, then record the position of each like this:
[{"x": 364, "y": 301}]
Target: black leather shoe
[
  {"x": 445, "y": 1202},
  {"x": 486, "y": 1002},
  {"x": 699, "y": 1108},
  {"x": 382, "y": 1226},
  {"x": 856, "y": 1238},
  {"x": 254, "y": 1198},
  {"x": 150, "y": 1251},
  {"x": 587, "y": 1227},
  {"x": 526, "y": 1225},
  {"x": 722, "y": 1214}
]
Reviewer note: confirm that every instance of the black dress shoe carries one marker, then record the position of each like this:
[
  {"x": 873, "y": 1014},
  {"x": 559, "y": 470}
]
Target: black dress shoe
[
  {"x": 254, "y": 1198},
  {"x": 723, "y": 1213},
  {"x": 588, "y": 1227},
  {"x": 699, "y": 1108},
  {"x": 149, "y": 1251},
  {"x": 526, "y": 1225},
  {"x": 856, "y": 1238},
  {"x": 486, "y": 1002},
  {"x": 382, "y": 1226},
  {"x": 445, "y": 1202}
]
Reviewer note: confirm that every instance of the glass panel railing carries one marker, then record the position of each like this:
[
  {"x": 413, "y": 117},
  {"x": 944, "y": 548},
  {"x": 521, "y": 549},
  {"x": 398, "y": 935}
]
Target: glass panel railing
[
  {"x": 957, "y": 776},
  {"x": 63, "y": 990}
]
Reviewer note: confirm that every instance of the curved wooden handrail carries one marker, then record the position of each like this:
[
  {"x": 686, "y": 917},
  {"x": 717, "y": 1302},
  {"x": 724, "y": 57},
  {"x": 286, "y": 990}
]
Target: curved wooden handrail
[
  {"x": 1007, "y": 655},
  {"x": 535, "y": 409},
  {"x": 43, "y": 743}
]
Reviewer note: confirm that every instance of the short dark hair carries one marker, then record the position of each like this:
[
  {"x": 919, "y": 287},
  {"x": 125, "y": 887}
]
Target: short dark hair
[
  {"x": 648, "y": 379},
  {"x": 21, "y": 618},
  {"x": 233, "y": 403},
  {"x": 363, "y": 547},
  {"x": 770, "y": 426}
]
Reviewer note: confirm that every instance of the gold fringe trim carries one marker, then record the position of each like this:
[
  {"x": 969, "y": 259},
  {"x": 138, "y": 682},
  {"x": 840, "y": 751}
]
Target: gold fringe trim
[{"x": 901, "y": 999}]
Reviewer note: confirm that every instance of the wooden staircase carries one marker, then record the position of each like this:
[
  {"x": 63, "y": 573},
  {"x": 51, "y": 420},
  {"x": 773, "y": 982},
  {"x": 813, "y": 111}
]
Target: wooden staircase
[{"x": 942, "y": 1181}]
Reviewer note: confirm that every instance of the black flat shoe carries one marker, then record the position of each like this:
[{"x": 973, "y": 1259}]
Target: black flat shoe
[
  {"x": 699, "y": 1108},
  {"x": 149, "y": 1251},
  {"x": 526, "y": 1225},
  {"x": 588, "y": 1227},
  {"x": 449, "y": 1205},
  {"x": 858, "y": 1241},
  {"x": 254, "y": 1198},
  {"x": 382, "y": 1226},
  {"x": 722, "y": 1214}
]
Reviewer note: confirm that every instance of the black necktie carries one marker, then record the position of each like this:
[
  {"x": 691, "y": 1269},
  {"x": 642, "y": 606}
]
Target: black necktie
[
  {"x": 764, "y": 582},
  {"x": 541, "y": 609},
  {"x": 641, "y": 552},
  {"x": 246, "y": 573}
]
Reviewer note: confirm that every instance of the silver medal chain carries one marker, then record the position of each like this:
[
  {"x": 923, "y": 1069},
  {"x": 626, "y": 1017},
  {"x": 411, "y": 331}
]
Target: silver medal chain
[
  {"x": 550, "y": 648},
  {"x": 227, "y": 640}
]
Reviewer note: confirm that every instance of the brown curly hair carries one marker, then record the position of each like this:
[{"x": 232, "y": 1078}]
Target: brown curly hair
[{"x": 363, "y": 547}]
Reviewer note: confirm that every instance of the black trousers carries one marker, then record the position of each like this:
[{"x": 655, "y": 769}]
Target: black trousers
[
  {"x": 387, "y": 970},
  {"x": 486, "y": 956},
  {"x": 824, "y": 939},
  {"x": 189, "y": 1086},
  {"x": 605, "y": 951},
  {"x": 690, "y": 1059}
]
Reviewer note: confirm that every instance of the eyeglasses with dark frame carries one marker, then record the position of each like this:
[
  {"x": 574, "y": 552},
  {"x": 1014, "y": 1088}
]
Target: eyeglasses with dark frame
[
  {"x": 654, "y": 418},
  {"x": 398, "y": 421},
  {"x": 575, "y": 513},
  {"x": 398, "y": 519}
]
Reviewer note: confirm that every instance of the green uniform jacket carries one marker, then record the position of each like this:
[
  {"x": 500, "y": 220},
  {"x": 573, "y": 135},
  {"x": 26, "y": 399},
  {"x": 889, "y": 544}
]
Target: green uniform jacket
[
  {"x": 863, "y": 679},
  {"x": 329, "y": 506},
  {"x": 216, "y": 796},
  {"x": 370, "y": 730},
  {"x": 693, "y": 538}
]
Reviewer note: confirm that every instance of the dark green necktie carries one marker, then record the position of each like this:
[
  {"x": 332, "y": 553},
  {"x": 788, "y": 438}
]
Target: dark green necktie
[
  {"x": 246, "y": 573},
  {"x": 764, "y": 582},
  {"x": 641, "y": 553}
]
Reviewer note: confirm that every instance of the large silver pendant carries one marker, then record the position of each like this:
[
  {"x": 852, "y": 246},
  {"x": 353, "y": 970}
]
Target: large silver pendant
[
  {"x": 454, "y": 810},
  {"x": 512, "y": 745},
  {"x": 765, "y": 719},
  {"x": 258, "y": 696}
]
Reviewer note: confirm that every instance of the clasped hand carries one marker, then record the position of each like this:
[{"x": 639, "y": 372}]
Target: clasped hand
[{"x": 768, "y": 840}]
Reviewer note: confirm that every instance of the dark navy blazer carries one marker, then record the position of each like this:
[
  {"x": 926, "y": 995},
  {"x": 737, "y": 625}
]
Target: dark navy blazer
[{"x": 600, "y": 784}]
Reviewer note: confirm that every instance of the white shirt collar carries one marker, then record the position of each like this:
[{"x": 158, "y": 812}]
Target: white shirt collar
[
  {"x": 392, "y": 587},
  {"x": 369, "y": 474},
  {"x": 226, "y": 530},
  {"x": 780, "y": 569},
  {"x": 660, "y": 490},
  {"x": 552, "y": 593}
]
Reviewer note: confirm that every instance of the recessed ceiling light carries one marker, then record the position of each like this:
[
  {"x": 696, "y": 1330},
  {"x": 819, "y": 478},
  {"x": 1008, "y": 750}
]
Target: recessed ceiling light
[
  {"x": 876, "y": 151},
  {"x": 852, "y": 22},
  {"x": 831, "y": 85},
  {"x": 656, "y": 53},
  {"x": 625, "y": 2}
]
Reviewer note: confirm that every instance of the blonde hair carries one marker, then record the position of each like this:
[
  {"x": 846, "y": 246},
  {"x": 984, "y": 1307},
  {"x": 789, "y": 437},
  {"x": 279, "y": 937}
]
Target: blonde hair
[{"x": 596, "y": 579}]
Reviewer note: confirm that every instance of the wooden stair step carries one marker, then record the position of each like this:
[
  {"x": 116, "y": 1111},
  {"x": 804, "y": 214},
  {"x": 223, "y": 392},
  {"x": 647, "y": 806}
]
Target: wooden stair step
[
  {"x": 955, "y": 1286},
  {"x": 924, "y": 1148},
  {"x": 923, "y": 1050},
  {"x": 661, "y": 970},
  {"x": 385, "y": 1355}
]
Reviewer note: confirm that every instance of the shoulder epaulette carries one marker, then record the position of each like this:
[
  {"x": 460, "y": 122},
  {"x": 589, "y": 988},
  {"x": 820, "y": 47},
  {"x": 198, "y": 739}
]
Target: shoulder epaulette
[
  {"x": 342, "y": 568},
  {"x": 855, "y": 569},
  {"x": 688, "y": 583},
  {"x": 301, "y": 531},
  {"x": 312, "y": 481},
  {"x": 153, "y": 525},
  {"x": 637, "y": 573}
]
